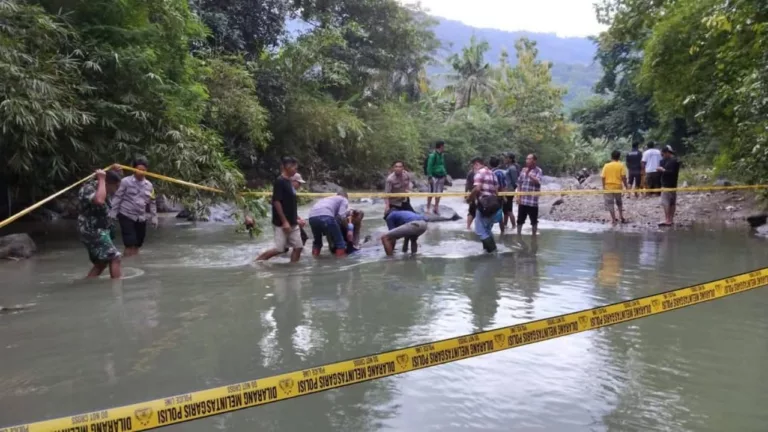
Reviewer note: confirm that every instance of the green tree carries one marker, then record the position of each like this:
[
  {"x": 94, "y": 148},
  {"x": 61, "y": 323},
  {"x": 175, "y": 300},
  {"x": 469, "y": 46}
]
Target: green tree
[{"x": 472, "y": 75}]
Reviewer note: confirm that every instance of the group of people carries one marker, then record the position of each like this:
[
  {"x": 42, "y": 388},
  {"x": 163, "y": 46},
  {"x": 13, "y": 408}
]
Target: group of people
[
  {"x": 652, "y": 168},
  {"x": 109, "y": 200}
]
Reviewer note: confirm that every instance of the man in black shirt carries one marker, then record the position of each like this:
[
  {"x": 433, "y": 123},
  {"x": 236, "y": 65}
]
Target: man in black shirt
[
  {"x": 635, "y": 167},
  {"x": 285, "y": 217},
  {"x": 669, "y": 167}
]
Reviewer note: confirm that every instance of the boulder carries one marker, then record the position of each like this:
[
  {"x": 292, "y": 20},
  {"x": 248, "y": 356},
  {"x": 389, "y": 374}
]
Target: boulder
[
  {"x": 168, "y": 205},
  {"x": 16, "y": 246},
  {"x": 722, "y": 182},
  {"x": 446, "y": 214},
  {"x": 66, "y": 206},
  {"x": 324, "y": 187},
  {"x": 420, "y": 184},
  {"x": 593, "y": 182},
  {"x": 545, "y": 180}
]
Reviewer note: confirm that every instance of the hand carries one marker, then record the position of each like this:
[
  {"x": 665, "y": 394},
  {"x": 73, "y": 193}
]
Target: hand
[
  {"x": 154, "y": 222},
  {"x": 350, "y": 237},
  {"x": 302, "y": 223},
  {"x": 101, "y": 174},
  {"x": 660, "y": 169},
  {"x": 286, "y": 227}
]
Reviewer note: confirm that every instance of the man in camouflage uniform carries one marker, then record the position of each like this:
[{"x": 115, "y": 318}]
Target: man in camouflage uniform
[{"x": 95, "y": 227}]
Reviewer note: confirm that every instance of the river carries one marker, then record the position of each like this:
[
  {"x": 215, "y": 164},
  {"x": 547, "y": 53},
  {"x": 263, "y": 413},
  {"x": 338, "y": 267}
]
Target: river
[{"x": 194, "y": 312}]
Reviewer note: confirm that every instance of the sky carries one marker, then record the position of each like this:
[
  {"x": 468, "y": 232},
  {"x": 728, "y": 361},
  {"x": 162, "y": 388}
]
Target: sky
[{"x": 563, "y": 17}]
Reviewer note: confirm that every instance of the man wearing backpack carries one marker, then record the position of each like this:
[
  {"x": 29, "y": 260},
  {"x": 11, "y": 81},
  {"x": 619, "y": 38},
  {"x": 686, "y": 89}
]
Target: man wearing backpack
[
  {"x": 436, "y": 173},
  {"x": 512, "y": 171},
  {"x": 485, "y": 191},
  {"x": 501, "y": 179}
]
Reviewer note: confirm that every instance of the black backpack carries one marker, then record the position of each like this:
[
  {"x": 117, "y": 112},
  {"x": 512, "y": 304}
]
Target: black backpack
[{"x": 426, "y": 161}]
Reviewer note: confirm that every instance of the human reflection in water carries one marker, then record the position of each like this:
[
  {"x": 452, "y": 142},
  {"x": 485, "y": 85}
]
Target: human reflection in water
[
  {"x": 609, "y": 271},
  {"x": 287, "y": 313},
  {"x": 525, "y": 265},
  {"x": 483, "y": 290}
]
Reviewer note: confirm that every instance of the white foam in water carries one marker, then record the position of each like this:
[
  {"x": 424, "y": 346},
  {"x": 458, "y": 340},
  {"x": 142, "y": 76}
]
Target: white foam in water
[{"x": 128, "y": 273}]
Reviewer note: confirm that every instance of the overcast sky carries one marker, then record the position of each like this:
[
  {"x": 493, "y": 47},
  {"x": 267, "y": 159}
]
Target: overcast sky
[{"x": 563, "y": 17}]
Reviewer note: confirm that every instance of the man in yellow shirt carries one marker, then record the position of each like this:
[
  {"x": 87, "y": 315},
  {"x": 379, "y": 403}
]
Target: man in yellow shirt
[{"x": 614, "y": 177}]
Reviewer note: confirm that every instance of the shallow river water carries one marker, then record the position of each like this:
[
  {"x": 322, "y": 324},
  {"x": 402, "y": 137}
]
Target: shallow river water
[{"x": 194, "y": 312}]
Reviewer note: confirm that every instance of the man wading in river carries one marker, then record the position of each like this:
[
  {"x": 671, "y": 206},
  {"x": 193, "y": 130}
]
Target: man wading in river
[
  {"x": 285, "y": 217},
  {"x": 94, "y": 225},
  {"x": 132, "y": 205},
  {"x": 403, "y": 224},
  {"x": 528, "y": 205},
  {"x": 485, "y": 192}
]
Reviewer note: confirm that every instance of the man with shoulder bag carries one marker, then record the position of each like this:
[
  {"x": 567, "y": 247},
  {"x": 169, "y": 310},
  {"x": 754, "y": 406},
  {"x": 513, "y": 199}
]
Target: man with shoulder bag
[{"x": 485, "y": 192}]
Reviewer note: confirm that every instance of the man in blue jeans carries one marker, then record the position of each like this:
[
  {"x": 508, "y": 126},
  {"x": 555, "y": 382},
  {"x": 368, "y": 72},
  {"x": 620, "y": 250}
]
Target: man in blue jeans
[
  {"x": 403, "y": 224},
  {"x": 322, "y": 220}
]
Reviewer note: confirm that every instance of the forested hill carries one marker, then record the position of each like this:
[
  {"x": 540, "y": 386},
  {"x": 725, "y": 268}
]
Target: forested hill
[{"x": 572, "y": 57}]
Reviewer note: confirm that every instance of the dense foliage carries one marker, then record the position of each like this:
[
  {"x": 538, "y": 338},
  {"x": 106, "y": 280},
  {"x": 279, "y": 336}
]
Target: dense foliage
[
  {"x": 692, "y": 73},
  {"x": 216, "y": 91}
]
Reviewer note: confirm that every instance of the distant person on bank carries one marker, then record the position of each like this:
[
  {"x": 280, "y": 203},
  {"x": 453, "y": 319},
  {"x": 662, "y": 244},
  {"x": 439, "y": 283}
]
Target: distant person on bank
[
  {"x": 513, "y": 172},
  {"x": 403, "y": 224},
  {"x": 285, "y": 218},
  {"x": 669, "y": 168},
  {"x": 134, "y": 203},
  {"x": 650, "y": 164},
  {"x": 528, "y": 205},
  {"x": 322, "y": 220},
  {"x": 436, "y": 174},
  {"x": 635, "y": 168},
  {"x": 399, "y": 181},
  {"x": 485, "y": 193},
  {"x": 96, "y": 228},
  {"x": 614, "y": 176}
]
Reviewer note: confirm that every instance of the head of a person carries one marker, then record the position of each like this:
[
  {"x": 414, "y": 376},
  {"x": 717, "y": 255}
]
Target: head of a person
[
  {"x": 112, "y": 181},
  {"x": 530, "y": 160},
  {"x": 651, "y": 144},
  {"x": 509, "y": 158},
  {"x": 356, "y": 216},
  {"x": 477, "y": 163},
  {"x": 398, "y": 167},
  {"x": 494, "y": 162},
  {"x": 140, "y": 164},
  {"x": 440, "y": 146},
  {"x": 615, "y": 155},
  {"x": 635, "y": 145},
  {"x": 667, "y": 151},
  {"x": 288, "y": 166},
  {"x": 343, "y": 194},
  {"x": 297, "y": 180}
]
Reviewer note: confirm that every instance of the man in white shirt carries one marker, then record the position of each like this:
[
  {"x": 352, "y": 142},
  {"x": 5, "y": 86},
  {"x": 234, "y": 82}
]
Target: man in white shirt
[{"x": 650, "y": 163}]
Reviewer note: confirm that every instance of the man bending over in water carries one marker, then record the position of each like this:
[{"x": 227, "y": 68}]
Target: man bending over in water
[
  {"x": 403, "y": 224},
  {"x": 322, "y": 220},
  {"x": 94, "y": 225}
]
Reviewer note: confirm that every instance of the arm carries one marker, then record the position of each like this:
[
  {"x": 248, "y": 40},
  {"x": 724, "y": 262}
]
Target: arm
[
  {"x": 534, "y": 176},
  {"x": 117, "y": 200},
  {"x": 624, "y": 177},
  {"x": 387, "y": 189},
  {"x": 277, "y": 195},
  {"x": 342, "y": 212},
  {"x": 100, "y": 197},
  {"x": 476, "y": 189},
  {"x": 602, "y": 176},
  {"x": 153, "y": 207}
]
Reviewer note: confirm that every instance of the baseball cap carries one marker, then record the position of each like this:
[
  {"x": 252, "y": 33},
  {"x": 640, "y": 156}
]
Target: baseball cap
[
  {"x": 297, "y": 178},
  {"x": 668, "y": 148}
]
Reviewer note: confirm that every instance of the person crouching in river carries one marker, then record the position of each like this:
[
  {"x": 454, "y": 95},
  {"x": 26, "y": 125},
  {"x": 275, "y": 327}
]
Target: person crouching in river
[
  {"x": 485, "y": 191},
  {"x": 132, "y": 205},
  {"x": 322, "y": 220},
  {"x": 403, "y": 224},
  {"x": 94, "y": 225},
  {"x": 351, "y": 226}
]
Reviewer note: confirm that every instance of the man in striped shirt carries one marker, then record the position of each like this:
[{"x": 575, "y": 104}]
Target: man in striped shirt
[
  {"x": 132, "y": 205},
  {"x": 485, "y": 192},
  {"x": 528, "y": 205}
]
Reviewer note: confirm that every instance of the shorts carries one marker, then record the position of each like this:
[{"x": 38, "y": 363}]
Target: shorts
[
  {"x": 635, "y": 178},
  {"x": 437, "y": 184},
  {"x": 531, "y": 212},
  {"x": 653, "y": 180},
  {"x": 507, "y": 204},
  {"x": 133, "y": 231},
  {"x": 410, "y": 229},
  {"x": 610, "y": 199},
  {"x": 668, "y": 198},
  {"x": 101, "y": 249},
  {"x": 291, "y": 240},
  {"x": 472, "y": 208}
]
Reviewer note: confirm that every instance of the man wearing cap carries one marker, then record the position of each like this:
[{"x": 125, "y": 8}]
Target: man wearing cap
[
  {"x": 134, "y": 203},
  {"x": 285, "y": 217},
  {"x": 669, "y": 169}
]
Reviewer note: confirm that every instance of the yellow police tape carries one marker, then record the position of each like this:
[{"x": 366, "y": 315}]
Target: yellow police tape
[{"x": 190, "y": 406}]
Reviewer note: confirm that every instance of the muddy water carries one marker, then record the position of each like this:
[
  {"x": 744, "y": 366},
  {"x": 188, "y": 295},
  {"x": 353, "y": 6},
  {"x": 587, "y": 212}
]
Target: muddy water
[{"x": 193, "y": 312}]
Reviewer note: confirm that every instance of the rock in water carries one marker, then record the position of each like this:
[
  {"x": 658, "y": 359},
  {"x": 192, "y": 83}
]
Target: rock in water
[
  {"x": 168, "y": 205},
  {"x": 17, "y": 246},
  {"x": 324, "y": 187},
  {"x": 757, "y": 220},
  {"x": 446, "y": 214}
]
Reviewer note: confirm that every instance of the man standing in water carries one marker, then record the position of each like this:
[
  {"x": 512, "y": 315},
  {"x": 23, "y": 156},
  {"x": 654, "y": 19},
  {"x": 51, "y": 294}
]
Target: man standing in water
[
  {"x": 322, "y": 220},
  {"x": 285, "y": 217},
  {"x": 436, "y": 173},
  {"x": 94, "y": 225},
  {"x": 614, "y": 177},
  {"x": 635, "y": 168},
  {"x": 472, "y": 203},
  {"x": 513, "y": 171},
  {"x": 669, "y": 168},
  {"x": 399, "y": 181},
  {"x": 485, "y": 191},
  {"x": 650, "y": 165},
  {"x": 132, "y": 204},
  {"x": 403, "y": 224},
  {"x": 528, "y": 205}
]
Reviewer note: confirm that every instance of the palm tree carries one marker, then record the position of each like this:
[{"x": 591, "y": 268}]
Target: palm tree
[{"x": 472, "y": 75}]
